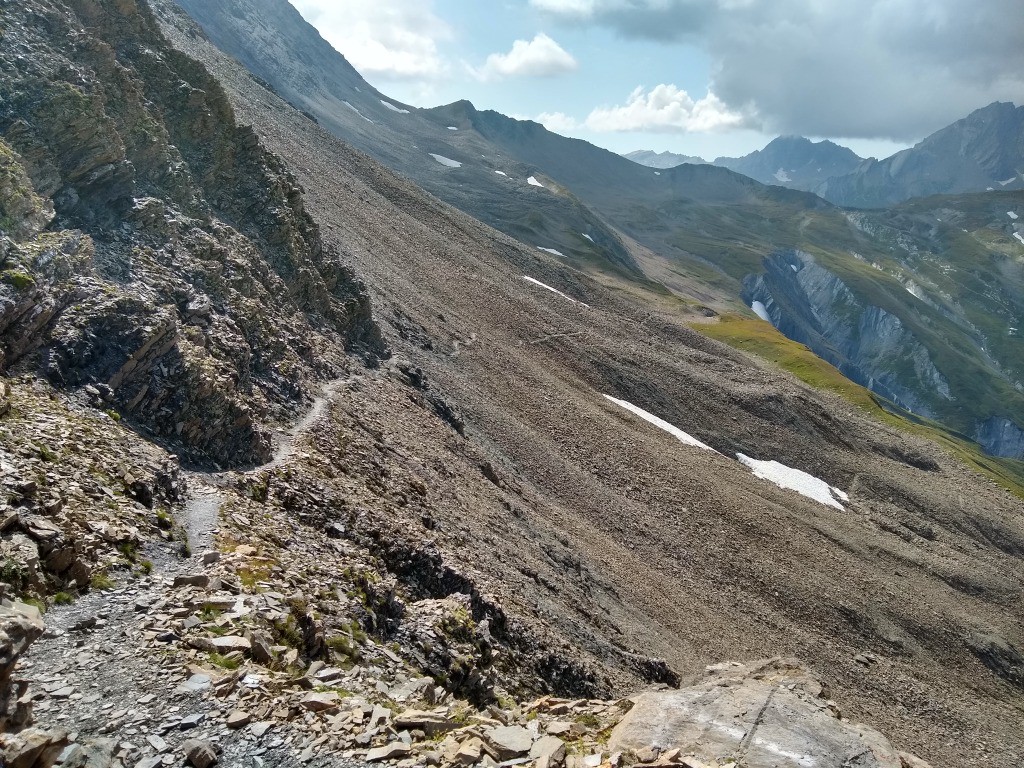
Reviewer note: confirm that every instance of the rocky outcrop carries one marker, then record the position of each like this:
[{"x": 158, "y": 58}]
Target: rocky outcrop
[
  {"x": 20, "y": 745},
  {"x": 869, "y": 344},
  {"x": 180, "y": 269},
  {"x": 1001, "y": 436},
  {"x": 768, "y": 714}
]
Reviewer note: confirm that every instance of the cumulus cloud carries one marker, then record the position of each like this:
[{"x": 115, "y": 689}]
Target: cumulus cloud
[
  {"x": 540, "y": 57},
  {"x": 557, "y": 122},
  {"x": 393, "y": 40},
  {"x": 667, "y": 109},
  {"x": 894, "y": 69}
]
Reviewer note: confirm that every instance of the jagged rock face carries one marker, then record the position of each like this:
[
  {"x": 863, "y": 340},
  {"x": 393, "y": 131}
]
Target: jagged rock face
[
  {"x": 181, "y": 269},
  {"x": 810, "y": 304},
  {"x": 1001, "y": 437},
  {"x": 984, "y": 150}
]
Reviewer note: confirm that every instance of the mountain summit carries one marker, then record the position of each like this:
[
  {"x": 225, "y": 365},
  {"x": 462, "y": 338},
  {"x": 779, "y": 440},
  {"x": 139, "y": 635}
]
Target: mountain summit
[
  {"x": 793, "y": 161},
  {"x": 983, "y": 151}
]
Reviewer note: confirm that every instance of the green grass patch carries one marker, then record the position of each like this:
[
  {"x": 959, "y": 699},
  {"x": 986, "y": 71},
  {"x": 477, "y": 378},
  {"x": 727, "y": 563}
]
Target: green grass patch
[{"x": 760, "y": 338}]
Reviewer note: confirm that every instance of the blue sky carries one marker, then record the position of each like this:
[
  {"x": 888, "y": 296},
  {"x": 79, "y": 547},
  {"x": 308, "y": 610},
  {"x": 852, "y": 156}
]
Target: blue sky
[{"x": 696, "y": 77}]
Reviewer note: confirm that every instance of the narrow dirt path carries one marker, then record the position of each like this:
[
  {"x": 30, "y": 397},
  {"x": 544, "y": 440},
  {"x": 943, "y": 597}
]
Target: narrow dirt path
[{"x": 98, "y": 671}]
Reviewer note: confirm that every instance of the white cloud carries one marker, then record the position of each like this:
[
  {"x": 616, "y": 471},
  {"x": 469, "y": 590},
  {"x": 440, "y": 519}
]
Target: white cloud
[
  {"x": 540, "y": 57},
  {"x": 892, "y": 69},
  {"x": 557, "y": 122},
  {"x": 667, "y": 109},
  {"x": 566, "y": 7},
  {"x": 392, "y": 39}
]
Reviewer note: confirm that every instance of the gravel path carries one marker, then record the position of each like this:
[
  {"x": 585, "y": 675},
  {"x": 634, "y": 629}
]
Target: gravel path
[{"x": 102, "y": 673}]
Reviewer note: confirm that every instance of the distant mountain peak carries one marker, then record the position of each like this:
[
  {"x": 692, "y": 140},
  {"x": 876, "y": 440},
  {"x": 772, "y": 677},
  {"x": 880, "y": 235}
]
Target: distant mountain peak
[
  {"x": 794, "y": 161},
  {"x": 662, "y": 160}
]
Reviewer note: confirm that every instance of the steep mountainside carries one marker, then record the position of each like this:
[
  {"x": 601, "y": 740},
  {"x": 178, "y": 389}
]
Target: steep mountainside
[
  {"x": 180, "y": 273},
  {"x": 708, "y": 232},
  {"x": 983, "y": 151},
  {"x": 626, "y": 538},
  {"x": 496, "y": 512},
  {"x": 795, "y": 162},
  {"x": 661, "y": 159}
]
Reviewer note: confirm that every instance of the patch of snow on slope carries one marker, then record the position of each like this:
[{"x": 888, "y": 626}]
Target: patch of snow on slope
[
  {"x": 657, "y": 173},
  {"x": 357, "y": 111},
  {"x": 1019, "y": 236},
  {"x": 1012, "y": 215},
  {"x": 532, "y": 181},
  {"x": 795, "y": 480},
  {"x": 677, "y": 433},
  {"x": 502, "y": 173},
  {"x": 587, "y": 236},
  {"x": 1008, "y": 181},
  {"x": 553, "y": 290},
  {"x": 452, "y": 128},
  {"x": 393, "y": 108},
  {"x": 761, "y": 311},
  {"x": 793, "y": 267},
  {"x": 914, "y": 290},
  {"x": 446, "y": 161},
  {"x": 782, "y": 176},
  {"x": 552, "y": 251}
]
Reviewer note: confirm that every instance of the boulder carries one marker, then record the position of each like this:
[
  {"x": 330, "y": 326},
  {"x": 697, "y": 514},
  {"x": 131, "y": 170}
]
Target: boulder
[
  {"x": 510, "y": 741},
  {"x": 763, "y": 715}
]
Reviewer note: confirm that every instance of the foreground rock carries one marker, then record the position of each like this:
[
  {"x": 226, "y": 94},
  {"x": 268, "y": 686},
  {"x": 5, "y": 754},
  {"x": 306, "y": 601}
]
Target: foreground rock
[{"x": 766, "y": 714}]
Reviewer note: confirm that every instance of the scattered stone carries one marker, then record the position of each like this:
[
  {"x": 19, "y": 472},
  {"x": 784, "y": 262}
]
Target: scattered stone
[
  {"x": 509, "y": 741},
  {"x": 388, "y": 752},
  {"x": 320, "y": 702},
  {"x": 199, "y": 753},
  {"x": 238, "y": 719}
]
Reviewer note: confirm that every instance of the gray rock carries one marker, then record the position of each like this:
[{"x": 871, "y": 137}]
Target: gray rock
[
  {"x": 388, "y": 752},
  {"x": 763, "y": 715},
  {"x": 199, "y": 754},
  {"x": 509, "y": 741}
]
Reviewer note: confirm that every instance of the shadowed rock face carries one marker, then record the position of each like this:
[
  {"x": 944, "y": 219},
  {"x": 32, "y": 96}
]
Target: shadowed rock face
[{"x": 180, "y": 269}]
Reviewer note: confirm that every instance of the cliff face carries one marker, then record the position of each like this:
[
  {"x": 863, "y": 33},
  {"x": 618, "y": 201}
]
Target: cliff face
[
  {"x": 810, "y": 304},
  {"x": 151, "y": 247}
]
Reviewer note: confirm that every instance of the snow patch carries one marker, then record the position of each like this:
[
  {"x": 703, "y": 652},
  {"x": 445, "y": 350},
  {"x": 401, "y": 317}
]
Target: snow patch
[
  {"x": 1008, "y": 181},
  {"x": 446, "y": 161},
  {"x": 587, "y": 236},
  {"x": 677, "y": 433},
  {"x": 393, "y": 108},
  {"x": 502, "y": 173},
  {"x": 1012, "y": 215},
  {"x": 552, "y": 251},
  {"x": 782, "y": 176},
  {"x": 914, "y": 290},
  {"x": 1019, "y": 236},
  {"x": 794, "y": 267},
  {"x": 452, "y": 128},
  {"x": 796, "y": 480},
  {"x": 357, "y": 111},
  {"x": 553, "y": 290},
  {"x": 761, "y": 311},
  {"x": 657, "y": 173},
  {"x": 532, "y": 181}
]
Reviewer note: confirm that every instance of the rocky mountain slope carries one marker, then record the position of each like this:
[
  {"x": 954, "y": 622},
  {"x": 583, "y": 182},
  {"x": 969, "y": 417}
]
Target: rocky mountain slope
[
  {"x": 701, "y": 232},
  {"x": 983, "y": 151},
  {"x": 507, "y": 508},
  {"x": 661, "y": 159},
  {"x": 794, "y": 162}
]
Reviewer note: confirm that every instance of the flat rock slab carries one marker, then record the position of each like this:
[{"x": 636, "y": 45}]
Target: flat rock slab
[
  {"x": 761, "y": 715},
  {"x": 510, "y": 741}
]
